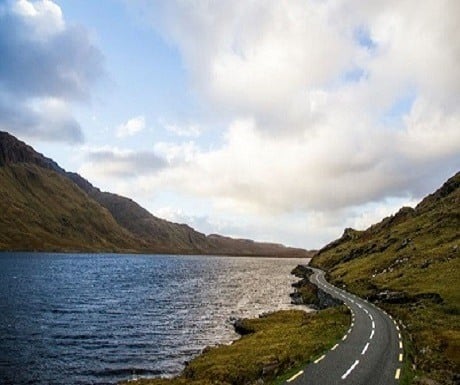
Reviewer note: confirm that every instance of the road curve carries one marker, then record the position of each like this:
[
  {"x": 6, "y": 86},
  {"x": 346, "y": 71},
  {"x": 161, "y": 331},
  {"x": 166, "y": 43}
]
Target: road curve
[{"x": 370, "y": 353}]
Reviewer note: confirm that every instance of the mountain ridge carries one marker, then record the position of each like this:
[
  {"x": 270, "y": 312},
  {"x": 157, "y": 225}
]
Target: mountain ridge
[{"x": 26, "y": 174}]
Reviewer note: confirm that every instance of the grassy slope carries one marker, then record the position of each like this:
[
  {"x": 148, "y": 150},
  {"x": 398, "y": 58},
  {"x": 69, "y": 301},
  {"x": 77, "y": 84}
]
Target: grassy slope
[
  {"x": 415, "y": 252},
  {"x": 41, "y": 210},
  {"x": 165, "y": 236},
  {"x": 277, "y": 343}
]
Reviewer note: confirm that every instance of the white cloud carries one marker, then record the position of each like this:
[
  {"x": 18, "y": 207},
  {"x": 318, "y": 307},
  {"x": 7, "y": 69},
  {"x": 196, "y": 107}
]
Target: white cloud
[
  {"x": 308, "y": 88},
  {"x": 188, "y": 131},
  {"x": 44, "y": 17},
  {"x": 176, "y": 153},
  {"x": 46, "y": 65},
  {"x": 131, "y": 127}
]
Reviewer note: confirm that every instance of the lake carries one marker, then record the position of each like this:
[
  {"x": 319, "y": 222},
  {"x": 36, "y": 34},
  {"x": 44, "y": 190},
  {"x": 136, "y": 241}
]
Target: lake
[{"x": 102, "y": 318}]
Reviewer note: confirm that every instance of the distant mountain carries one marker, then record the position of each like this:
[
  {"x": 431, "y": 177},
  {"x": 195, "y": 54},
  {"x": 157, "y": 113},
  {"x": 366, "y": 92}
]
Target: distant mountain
[
  {"x": 409, "y": 263},
  {"x": 43, "y": 207}
]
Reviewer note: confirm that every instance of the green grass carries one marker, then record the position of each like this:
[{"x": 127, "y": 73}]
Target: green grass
[
  {"x": 42, "y": 210},
  {"x": 279, "y": 344},
  {"x": 416, "y": 252}
]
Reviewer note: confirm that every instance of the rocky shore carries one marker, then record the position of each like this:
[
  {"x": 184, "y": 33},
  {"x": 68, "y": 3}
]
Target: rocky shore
[{"x": 307, "y": 293}]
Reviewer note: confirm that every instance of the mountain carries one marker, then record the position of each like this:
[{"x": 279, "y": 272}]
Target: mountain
[
  {"x": 409, "y": 264},
  {"x": 45, "y": 208}
]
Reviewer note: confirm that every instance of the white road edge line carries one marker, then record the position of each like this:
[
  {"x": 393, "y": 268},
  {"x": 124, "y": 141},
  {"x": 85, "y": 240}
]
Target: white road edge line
[
  {"x": 335, "y": 347},
  {"x": 344, "y": 337},
  {"x": 400, "y": 345},
  {"x": 319, "y": 359},
  {"x": 372, "y": 334},
  {"x": 365, "y": 349},
  {"x": 350, "y": 370},
  {"x": 397, "y": 374},
  {"x": 400, "y": 357},
  {"x": 295, "y": 376}
]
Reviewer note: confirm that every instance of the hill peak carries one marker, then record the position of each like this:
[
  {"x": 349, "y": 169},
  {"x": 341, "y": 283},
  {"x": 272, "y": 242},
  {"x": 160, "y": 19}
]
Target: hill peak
[{"x": 12, "y": 150}]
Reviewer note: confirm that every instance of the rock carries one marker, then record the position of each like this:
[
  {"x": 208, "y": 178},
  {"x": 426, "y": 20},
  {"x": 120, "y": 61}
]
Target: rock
[
  {"x": 403, "y": 244},
  {"x": 425, "y": 264},
  {"x": 326, "y": 300},
  {"x": 307, "y": 293},
  {"x": 302, "y": 271},
  {"x": 435, "y": 297},
  {"x": 271, "y": 369},
  {"x": 241, "y": 328},
  {"x": 391, "y": 297},
  {"x": 300, "y": 283},
  {"x": 296, "y": 298}
]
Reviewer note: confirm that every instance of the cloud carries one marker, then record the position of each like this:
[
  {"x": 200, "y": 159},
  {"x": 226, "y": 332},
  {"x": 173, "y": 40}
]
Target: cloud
[
  {"x": 47, "y": 119},
  {"x": 337, "y": 109},
  {"x": 175, "y": 153},
  {"x": 131, "y": 127},
  {"x": 113, "y": 162},
  {"x": 43, "y": 59},
  {"x": 304, "y": 134},
  {"x": 187, "y": 131}
]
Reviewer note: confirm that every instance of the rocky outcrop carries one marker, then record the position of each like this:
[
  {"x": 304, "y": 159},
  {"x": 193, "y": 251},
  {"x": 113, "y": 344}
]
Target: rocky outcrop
[
  {"x": 241, "y": 327},
  {"x": 400, "y": 297},
  {"x": 13, "y": 151},
  {"x": 307, "y": 293}
]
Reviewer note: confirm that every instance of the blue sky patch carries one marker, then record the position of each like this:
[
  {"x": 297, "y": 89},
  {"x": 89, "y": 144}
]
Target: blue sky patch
[{"x": 363, "y": 38}]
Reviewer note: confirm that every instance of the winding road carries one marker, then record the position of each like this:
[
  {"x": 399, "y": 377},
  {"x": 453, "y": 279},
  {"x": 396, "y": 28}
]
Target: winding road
[{"x": 371, "y": 352}]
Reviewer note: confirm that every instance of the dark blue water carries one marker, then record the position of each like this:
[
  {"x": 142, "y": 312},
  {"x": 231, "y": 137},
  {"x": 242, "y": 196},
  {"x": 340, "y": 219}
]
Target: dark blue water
[{"x": 98, "y": 319}]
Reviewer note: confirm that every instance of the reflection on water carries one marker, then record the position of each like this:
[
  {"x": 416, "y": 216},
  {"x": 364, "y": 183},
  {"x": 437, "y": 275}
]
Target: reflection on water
[{"x": 97, "y": 319}]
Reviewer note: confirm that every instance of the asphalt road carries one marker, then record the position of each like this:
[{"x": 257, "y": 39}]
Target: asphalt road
[{"x": 370, "y": 353}]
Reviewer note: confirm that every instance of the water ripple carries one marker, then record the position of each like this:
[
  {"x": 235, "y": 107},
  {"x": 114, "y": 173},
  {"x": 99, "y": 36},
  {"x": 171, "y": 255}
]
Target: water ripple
[{"x": 98, "y": 319}]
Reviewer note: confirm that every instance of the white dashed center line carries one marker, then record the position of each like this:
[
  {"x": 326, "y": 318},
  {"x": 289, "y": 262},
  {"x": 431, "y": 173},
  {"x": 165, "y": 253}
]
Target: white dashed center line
[
  {"x": 350, "y": 370},
  {"x": 365, "y": 349}
]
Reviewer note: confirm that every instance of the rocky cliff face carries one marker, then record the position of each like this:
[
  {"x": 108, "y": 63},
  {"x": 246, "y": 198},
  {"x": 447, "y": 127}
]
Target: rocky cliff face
[{"x": 14, "y": 151}]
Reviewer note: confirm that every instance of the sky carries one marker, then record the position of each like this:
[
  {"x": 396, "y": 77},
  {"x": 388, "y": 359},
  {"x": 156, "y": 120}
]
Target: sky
[{"x": 283, "y": 121}]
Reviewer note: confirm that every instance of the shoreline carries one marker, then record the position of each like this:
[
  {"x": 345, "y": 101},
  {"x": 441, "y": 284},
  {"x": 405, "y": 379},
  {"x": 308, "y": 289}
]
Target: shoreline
[{"x": 268, "y": 347}]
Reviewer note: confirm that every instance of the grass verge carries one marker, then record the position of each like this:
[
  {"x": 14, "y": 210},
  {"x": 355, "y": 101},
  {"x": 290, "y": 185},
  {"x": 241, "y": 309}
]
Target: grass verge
[{"x": 277, "y": 343}]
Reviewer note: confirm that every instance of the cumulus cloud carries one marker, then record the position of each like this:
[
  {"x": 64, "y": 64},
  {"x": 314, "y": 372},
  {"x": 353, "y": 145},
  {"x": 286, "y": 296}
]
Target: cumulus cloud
[
  {"x": 132, "y": 127},
  {"x": 317, "y": 95},
  {"x": 45, "y": 62}
]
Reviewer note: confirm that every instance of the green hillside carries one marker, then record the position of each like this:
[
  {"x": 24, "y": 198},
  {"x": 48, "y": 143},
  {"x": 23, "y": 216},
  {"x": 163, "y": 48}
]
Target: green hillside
[
  {"x": 409, "y": 264},
  {"x": 45, "y": 208},
  {"x": 41, "y": 210}
]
